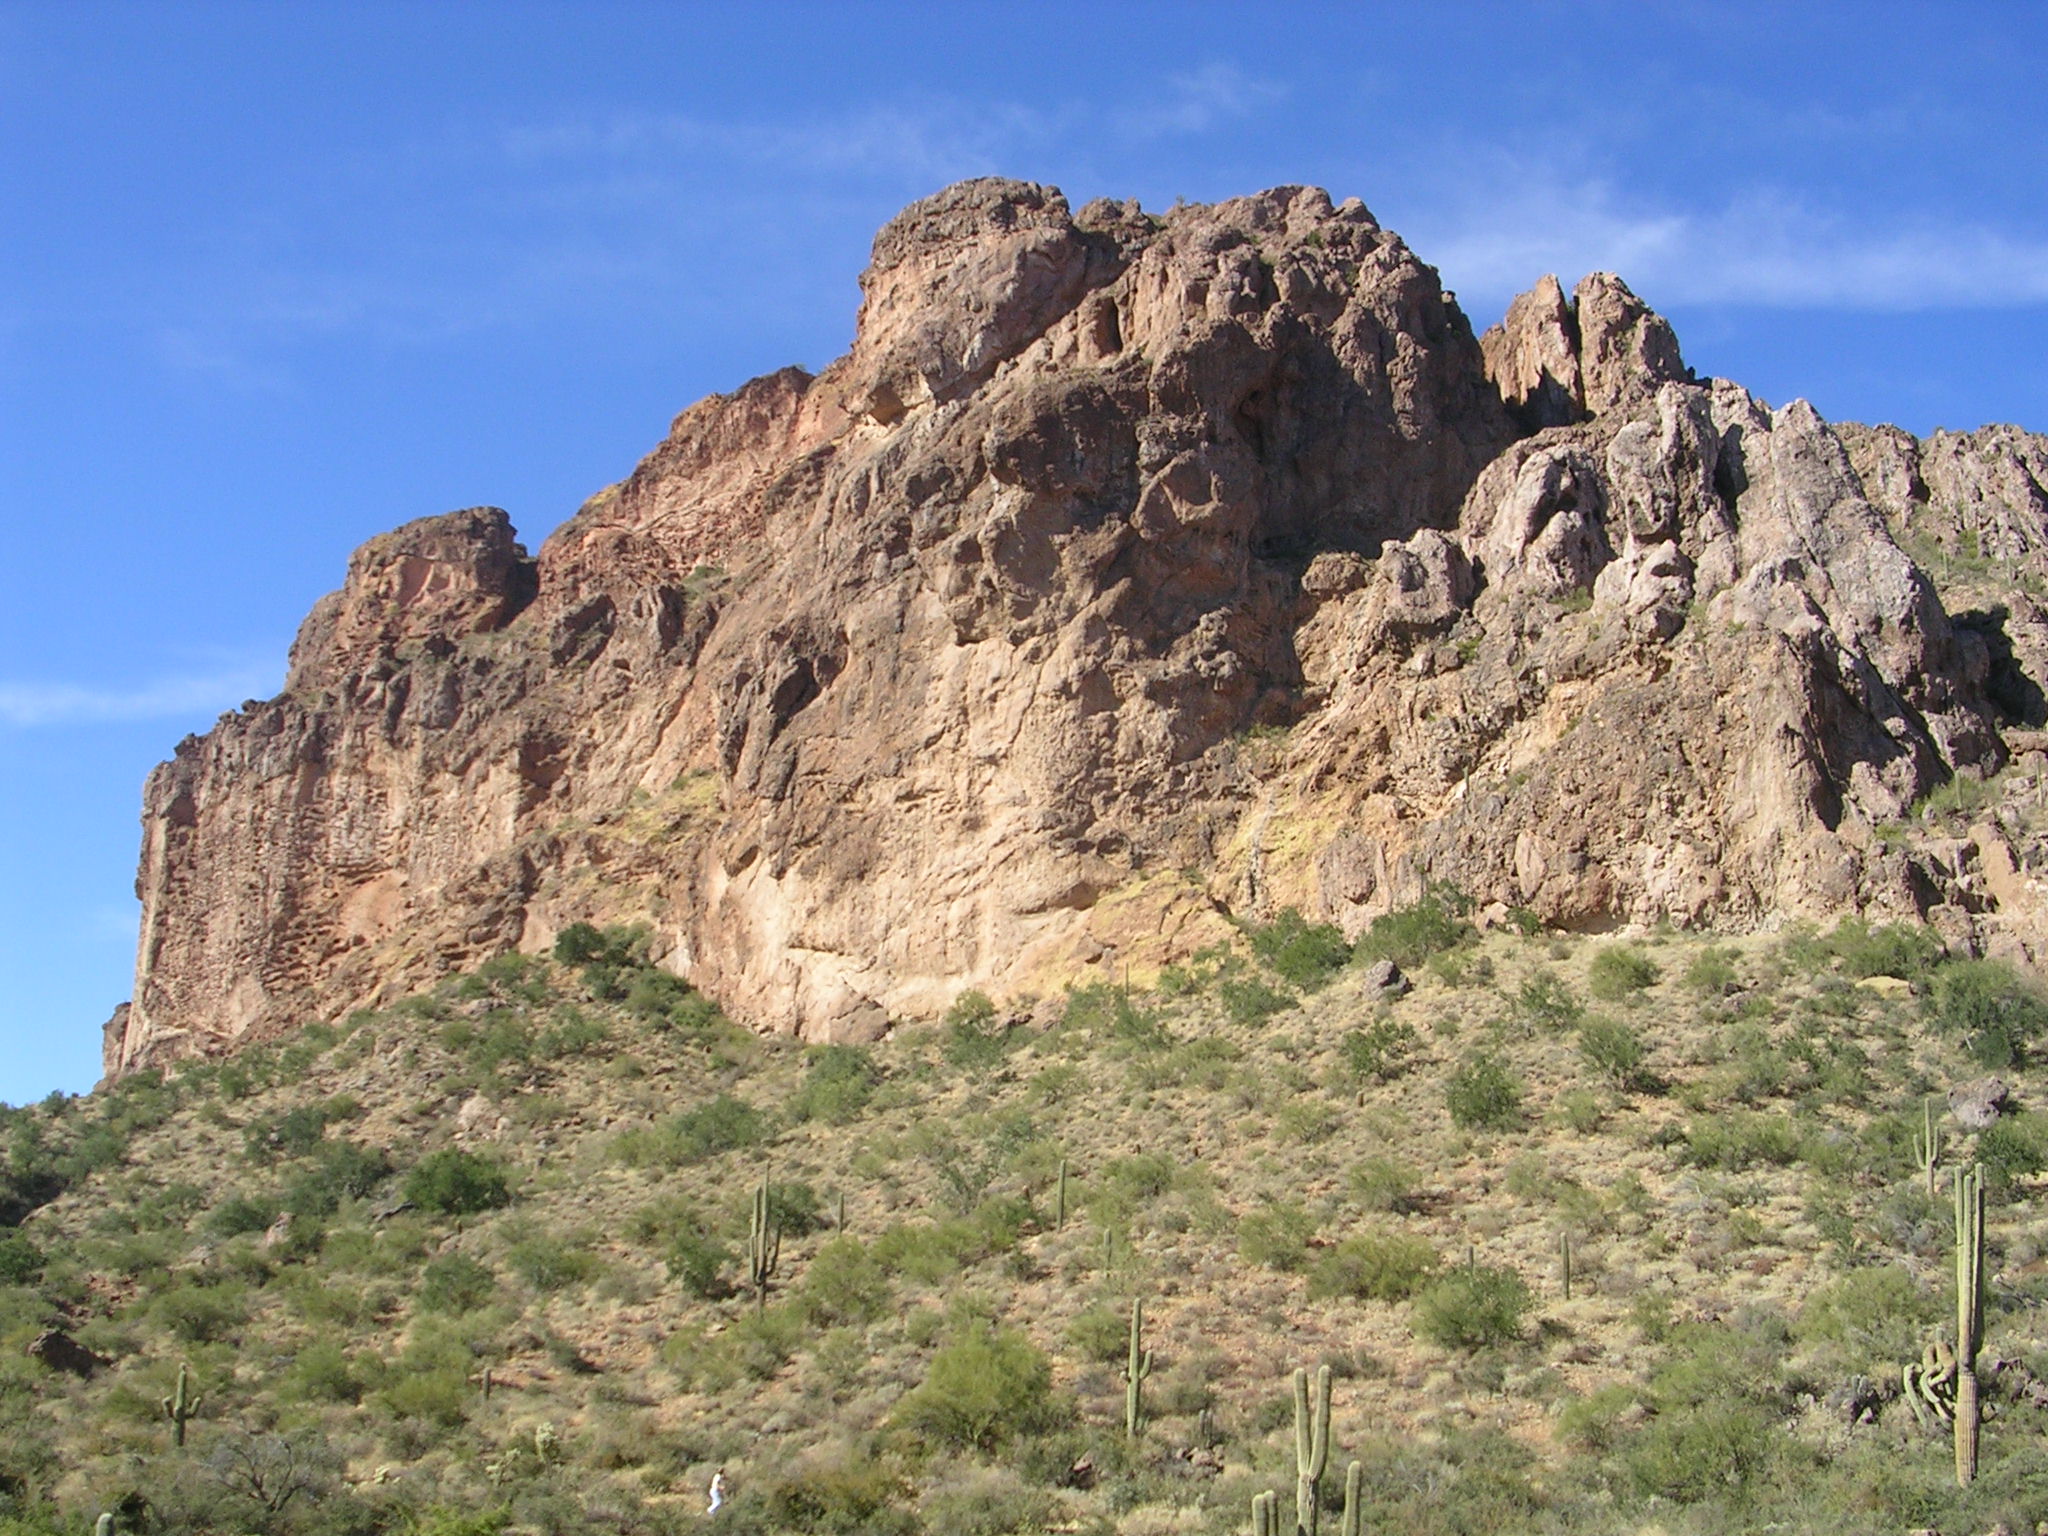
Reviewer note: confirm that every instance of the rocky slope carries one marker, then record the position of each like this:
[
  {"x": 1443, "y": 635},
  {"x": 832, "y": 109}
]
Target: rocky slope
[{"x": 1131, "y": 571}]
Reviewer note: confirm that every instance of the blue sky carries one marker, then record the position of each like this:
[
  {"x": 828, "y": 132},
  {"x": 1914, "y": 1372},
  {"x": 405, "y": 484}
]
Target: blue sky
[{"x": 275, "y": 278}]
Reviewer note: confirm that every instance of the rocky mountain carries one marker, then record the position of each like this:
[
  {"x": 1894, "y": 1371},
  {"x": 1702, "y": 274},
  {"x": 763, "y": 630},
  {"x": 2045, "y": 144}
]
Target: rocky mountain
[{"x": 1132, "y": 572}]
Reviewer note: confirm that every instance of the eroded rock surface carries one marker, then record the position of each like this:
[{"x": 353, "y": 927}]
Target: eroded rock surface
[{"x": 1119, "y": 547}]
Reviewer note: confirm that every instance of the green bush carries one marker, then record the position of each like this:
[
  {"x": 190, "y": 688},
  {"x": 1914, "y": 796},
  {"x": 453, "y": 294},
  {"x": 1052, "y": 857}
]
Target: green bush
[
  {"x": 2013, "y": 1147},
  {"x": 844, "y": 1284},
  {"x": 1741, "y": 1139},
  {"x": 1712, "y": 972},
  {"x": 1546, "y": 1003},
  {"x": 1303, "y": 954},
  {"x": 723, "y": 1124},
  {"x": 455, "y": 1283},
  {"x": 340, "y": 1171},
  {"x": 202, "y": 1314},
  {"x": 1277, "y": 1236},
  {"x": 977, "y": 1036},
  {"x": 551, "y": 1263},
  {"x": 1408, "y": 936},
  {"x": 1473, "y": 1308},
  {"x": 1613, "y": 1049},
  {"x": 239, "y": 1215},
  {"x": 1904, "y": 950},
  {"x": 1383, "y": 1184},
  {"x": 1481, "y": 1094},
  {"x": 1101, "y": 1334},
  {"x": 838, "y": 1082},
  {"x": 841, "y": 1499},
  {"x": 1382, "y": 1050},
  {"x": 1374, "y": 1266},
  {"x": 984, "y": 1388},
  {"x": 1620, "y": 971},
  {"x": 21, "y": 1261},
  {"x": 1871, "y": 1317},
  {"x": 1249, "y": 1000},
  {"x": 698, "y": 1259},
  {"x": 1987, "y": 1005},
  {"x": 452, "y": 1182}
]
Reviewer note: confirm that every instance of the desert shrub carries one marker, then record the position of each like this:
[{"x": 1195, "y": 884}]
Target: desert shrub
[
  {"x": 340, "y": 1170},
  {"x": 991, "y": 1501},
  {"x": 1101, "y": 1334},
  {"x": 1382, "y": 1050},
  {"x": 1715, "y": 1450},
  {"x": 1248, "y": 999},
  {"x": 1473, "y": 1308},
  {"x": 697, "y": 1259},
  {"x": 838, "y": 1082},
  {"x": 1481, "y": 1094},
  {"x": 1581, "y": 1109},
  {"x": 984, "y": 1387},
  {"x": 202, "y": 1314},
  {"x": 1302, "y": 953},
  {"x": 1740, "y": 1139},
  {"x": 840, "y": 1499},
  {"x": 298, "y": 1130},
  {"x": 1904, "y": 950},
  {"x": 927, "y": 1251},
  {"x": 324, "y": 1371},
  {"x": 1277, "y": 1236},
  {"x": 843, "y": 1284},
  {"x": 1620, "y": 971},
  {"x": 548, "y": 1262},
  {"x": 2013, "y": 1147},
  {"x": 239, "y": 1215},
  {"x": 796, "y": 1208},
  {"x": 1711, "y": 972},
  {"x": 1374, "y": 1266},
  {"x": 977, "y": 1036},
  {"x": 452, "y": 1182},
  {"x": 1382, "y": 1184},
  {"x": 1408, "y": 936},
  {"x": 21, "y": 1261},
  {"x": 1869, "y": 1317},
  {"x": 1546, "y": 1003},
  {"x": 723, "y": 1124},
  {"x": 1613, "y": 1049},
  {"x": 437, "y": 1396},
  {"x": 1987, "y": 1006},
  {"x": 455, "y": 1283},
  {"x": 571, "y": 1032}
]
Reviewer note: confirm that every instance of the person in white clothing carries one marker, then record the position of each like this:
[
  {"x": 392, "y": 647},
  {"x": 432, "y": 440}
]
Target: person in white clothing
[{"x": 717, "y": 1491}]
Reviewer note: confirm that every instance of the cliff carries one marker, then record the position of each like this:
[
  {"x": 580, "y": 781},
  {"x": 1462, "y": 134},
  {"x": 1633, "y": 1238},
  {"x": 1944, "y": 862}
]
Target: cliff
[{"x": 1130, "y": 572}]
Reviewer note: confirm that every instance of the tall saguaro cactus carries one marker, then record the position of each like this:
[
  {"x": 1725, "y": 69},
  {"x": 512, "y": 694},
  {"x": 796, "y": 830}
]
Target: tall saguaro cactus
[
  {"x": 1311, "y": 1448},
  {"x": 764, "y": 1246},
  {"x": 1354, "y": 1501},
  {"x": 1927, "y": 1144},
  {"x": 1266, "y": 1514},
  {"x": 180, "y": 1407},
  {"x": 1969, "y": 1197},
  {"x": 1136, "y": 1370}
]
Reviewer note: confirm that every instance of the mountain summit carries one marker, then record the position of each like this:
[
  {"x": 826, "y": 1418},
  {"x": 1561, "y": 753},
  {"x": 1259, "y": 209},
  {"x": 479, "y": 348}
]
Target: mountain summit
[{"x": 1132, "y": 572}]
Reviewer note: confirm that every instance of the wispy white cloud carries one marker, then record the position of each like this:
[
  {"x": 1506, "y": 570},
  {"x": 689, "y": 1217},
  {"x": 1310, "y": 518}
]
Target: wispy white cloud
[
  {"x": 1764, "y": 247},
  {"x": 58, "y": 704},
  {"x": 1200, "y": 102}
]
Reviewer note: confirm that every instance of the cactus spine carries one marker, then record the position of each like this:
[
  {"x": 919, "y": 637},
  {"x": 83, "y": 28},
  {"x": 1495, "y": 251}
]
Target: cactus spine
[
  {"x": 1266, "y": 1514},
  {"x": 1927, "y": 1144},
  {"x": 1311, "y": 1447},
  {"x": 1136, "y": 1370},
  {"x": 1969, "y": 1197},
  {"x": 1354, "y": 1501},
  {"x": 181, "y": 1405},
  {"x": 764, "y": 1246}
]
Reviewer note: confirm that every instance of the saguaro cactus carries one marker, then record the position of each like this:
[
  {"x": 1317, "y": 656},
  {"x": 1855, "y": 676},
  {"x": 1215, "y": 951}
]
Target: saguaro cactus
[
  {"x": 1136, "y": 1370},
  {"x": 1564, "y": 1262},
  {"x": 1354, "y": 1501},
  {"x": 181, "y": 1405},
  {"x": 1311, "y": 1448},
  {"x": 764, "y": 1246},
  {"x": 1969, "y": 1197},
  {"x": 1060, "y": 1205},
  {"x": 1927, "y": 1144},
  {"x": 1266, "y": 1513}
]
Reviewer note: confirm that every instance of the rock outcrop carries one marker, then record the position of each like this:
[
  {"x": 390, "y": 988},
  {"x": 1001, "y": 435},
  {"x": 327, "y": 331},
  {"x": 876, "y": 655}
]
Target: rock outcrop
[{"x": 1131, "y": 571}]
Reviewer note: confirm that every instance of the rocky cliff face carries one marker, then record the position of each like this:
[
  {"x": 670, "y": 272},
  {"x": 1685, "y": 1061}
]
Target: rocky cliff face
[{"x": 1130, "y": 572}]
